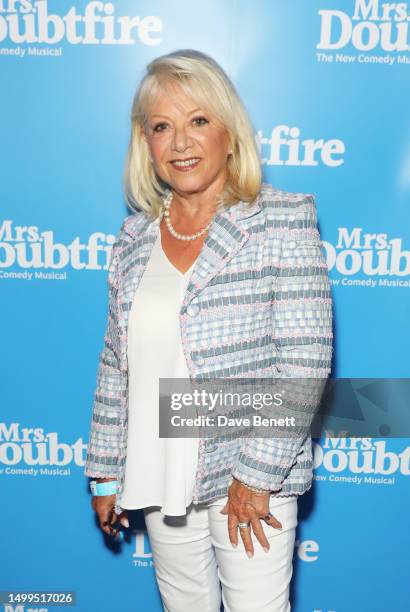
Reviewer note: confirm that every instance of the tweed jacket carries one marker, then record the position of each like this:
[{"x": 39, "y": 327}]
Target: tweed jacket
[{"x": 258, "y": 304}]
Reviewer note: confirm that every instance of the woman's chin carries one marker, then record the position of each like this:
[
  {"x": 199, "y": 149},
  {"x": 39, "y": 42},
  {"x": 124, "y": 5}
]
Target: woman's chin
[{"x": 188, "y": 187}]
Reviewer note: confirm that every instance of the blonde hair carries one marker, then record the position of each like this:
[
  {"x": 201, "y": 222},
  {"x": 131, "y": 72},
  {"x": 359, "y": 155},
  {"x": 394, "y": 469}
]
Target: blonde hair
[{"x": 205, "y": 82}]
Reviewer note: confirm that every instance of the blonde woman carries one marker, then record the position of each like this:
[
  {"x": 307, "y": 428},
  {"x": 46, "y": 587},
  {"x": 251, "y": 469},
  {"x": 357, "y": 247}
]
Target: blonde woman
[{"x": 214, "y": 274}]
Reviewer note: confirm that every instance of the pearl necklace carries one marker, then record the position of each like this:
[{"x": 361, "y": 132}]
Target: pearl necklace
[{"x": 166, "y": 206}]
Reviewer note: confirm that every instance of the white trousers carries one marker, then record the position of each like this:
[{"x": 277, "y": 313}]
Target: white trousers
[{"x": 193, "y": 558}]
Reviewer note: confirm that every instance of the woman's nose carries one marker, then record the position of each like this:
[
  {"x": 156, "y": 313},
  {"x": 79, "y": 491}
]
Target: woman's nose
[{"x": 180, "y": 140}]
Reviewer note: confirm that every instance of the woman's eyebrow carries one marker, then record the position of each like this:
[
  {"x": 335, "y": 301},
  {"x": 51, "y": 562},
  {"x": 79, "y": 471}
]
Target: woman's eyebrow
[{"x": 166, "y": 117}]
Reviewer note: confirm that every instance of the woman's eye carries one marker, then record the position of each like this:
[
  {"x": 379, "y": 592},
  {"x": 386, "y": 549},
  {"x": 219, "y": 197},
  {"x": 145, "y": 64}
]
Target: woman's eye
[
  {"x": 200, "y": 120},
  {"x": 159, "y": 127}
]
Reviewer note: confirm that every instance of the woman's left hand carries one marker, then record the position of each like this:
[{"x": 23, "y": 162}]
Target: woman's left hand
[{"x": 246, "y": 506}]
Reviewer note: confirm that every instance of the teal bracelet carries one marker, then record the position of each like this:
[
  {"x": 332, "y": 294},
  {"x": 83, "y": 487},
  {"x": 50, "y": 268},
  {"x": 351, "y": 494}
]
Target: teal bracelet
[{"x": 104, "y": 488}]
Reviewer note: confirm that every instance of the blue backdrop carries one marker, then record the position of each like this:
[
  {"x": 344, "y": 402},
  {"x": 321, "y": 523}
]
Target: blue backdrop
[{"x": 326, "y": 83}]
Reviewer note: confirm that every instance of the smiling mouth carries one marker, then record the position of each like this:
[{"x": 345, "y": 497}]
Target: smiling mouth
[{"x": 186, "y": 164}]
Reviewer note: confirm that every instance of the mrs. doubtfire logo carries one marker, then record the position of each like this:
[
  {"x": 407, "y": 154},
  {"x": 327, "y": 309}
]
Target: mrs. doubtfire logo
[
  {"x": 28, "y": 253},
  {"x": 359, "y": 461},
  {"x": 371, "y": 28},
  {"x": 368, "y": 259},
  {"x": 93, "y": 23},
  {"x": 32, "y": 452}
]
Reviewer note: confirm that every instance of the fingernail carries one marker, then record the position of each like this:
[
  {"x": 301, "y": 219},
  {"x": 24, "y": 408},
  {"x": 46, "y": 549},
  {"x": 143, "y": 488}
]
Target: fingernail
[
  {"x": 265, "y": 548},
  {"x": 234, "y": 545},
  {"x": 125, "y": 522},
  {"x": 250, "y": 555}
]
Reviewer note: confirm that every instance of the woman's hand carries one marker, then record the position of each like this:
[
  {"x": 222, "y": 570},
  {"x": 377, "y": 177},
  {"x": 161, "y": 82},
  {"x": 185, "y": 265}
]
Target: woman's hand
[
  {"x": 247, "y": 506},
  {"x": 104, "y": 505}
]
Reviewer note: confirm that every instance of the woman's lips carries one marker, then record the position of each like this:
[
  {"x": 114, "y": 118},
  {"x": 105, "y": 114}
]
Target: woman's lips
[{"x": 187, "y": 165}]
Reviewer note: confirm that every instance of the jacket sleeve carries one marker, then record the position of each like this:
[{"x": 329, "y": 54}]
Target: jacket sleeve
[
  {"x": 302, "y": 333},
  {"x": 102, "y": 458}
]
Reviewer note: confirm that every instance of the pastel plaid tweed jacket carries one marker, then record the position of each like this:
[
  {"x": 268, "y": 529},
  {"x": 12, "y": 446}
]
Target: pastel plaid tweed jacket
[{"x": 258, "y": 304}]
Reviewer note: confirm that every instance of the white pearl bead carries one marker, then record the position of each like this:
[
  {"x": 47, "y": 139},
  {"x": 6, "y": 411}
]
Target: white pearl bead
[{"x": 166, "y": 213}]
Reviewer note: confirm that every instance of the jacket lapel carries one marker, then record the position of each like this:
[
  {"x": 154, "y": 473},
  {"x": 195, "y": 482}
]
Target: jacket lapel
[{"x": 226, "y": 236}]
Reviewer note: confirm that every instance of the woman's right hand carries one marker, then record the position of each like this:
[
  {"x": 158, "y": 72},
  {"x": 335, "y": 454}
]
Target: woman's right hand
[{"x": 104, "y": 505}]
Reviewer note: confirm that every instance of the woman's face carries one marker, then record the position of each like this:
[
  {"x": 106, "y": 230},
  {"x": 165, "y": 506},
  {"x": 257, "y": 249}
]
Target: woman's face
[{"x": 189, "y": 150}]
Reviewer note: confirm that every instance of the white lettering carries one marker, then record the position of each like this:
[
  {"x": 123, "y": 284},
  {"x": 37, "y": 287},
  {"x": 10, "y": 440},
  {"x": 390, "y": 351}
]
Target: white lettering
[
  {"x": 28, "y": 248},
  {"x": 367, "y": 29},
  {"x": 32, "y": 23},
  {"x": 284, "y": 148}
]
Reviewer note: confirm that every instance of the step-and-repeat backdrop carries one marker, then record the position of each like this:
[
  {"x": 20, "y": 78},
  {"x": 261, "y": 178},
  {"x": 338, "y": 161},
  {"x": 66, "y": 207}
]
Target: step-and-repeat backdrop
[{"x": 327, "y": 85}]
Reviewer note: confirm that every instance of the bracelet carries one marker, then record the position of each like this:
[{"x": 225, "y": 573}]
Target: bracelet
[
  {"x": 104, "y": 488},
  {"x": 254, "y": 489}
]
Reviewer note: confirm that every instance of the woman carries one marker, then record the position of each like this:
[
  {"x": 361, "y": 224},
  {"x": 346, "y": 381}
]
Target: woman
[{"x": 213, "y": 275}]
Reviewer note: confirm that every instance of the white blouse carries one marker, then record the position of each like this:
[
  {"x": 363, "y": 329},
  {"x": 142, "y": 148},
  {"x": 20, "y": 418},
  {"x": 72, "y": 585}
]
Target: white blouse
[{"x": 158, "y": 471}]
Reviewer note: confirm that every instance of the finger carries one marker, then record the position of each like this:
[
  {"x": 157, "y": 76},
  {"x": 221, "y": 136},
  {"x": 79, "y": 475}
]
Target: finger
[
  {"x": 115, "y": 524},
  {"x": 105, "y": 528},
  {"x": 105, "y": 522},
  {"x": 246, "y": 537},
  {"x": 225, "y": 509},
  {"x": 233, "y": 529},
  {"x": 257, "y": 528},
  {"x": 274, "y": 522},
  {"x": 124, "y": 520},
  {"x": 259, "y": 533},
  {"x": 108, "y": 522}
]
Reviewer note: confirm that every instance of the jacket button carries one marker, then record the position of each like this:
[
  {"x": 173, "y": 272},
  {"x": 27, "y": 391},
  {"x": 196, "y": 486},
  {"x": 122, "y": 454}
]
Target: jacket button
[
  {"x": 192, "y": 310},
  {"x": 207, "y": 485},
  {"x": 210, "y": 448}
]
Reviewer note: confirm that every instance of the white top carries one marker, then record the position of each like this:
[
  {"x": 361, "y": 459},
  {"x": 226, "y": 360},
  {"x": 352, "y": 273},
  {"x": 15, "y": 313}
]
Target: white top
[{"x": 158, "y": 471}]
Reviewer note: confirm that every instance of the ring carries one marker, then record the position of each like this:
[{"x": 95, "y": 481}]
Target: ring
[
  {"x": 268, "y": 516},
  {"x": 243, "y": 525}
]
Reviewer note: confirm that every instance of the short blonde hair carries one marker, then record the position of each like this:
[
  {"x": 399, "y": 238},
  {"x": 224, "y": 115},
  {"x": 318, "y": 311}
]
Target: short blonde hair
[{"x": 205, "y": 82}]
